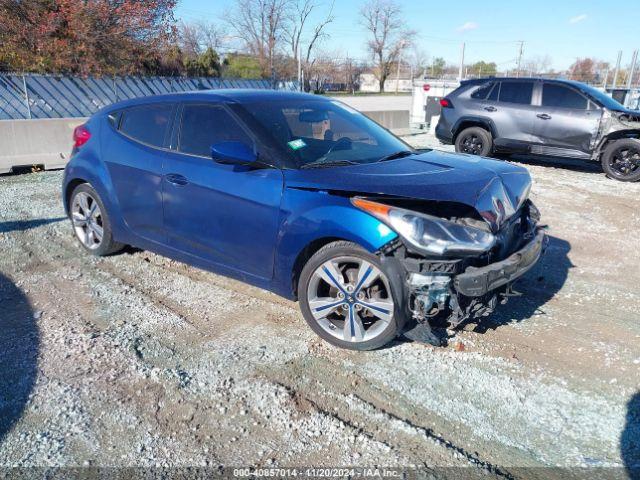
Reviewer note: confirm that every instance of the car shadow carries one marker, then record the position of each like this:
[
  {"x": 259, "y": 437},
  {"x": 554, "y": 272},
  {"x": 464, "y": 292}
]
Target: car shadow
[
  {"x": 19, "y": 347},
  {"x": 536, "y": 288},
  {"x": 630, "y": 438},
  {"x": 556, "y": 162},
  {"x": 21, "y": 225}
]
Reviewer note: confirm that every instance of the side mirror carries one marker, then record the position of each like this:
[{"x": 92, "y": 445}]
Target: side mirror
[{"x": 233, "y": 153}]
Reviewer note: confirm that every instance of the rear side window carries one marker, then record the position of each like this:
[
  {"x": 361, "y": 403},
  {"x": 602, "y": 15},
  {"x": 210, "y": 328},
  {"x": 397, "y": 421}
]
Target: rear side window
[
  {"x": 516, "y": 92},
  {"x": 482, "y": 92},
  {"x": 147, "y": 124},
  {"x": 554, "y": 95},
  {"x": 206, "y": 125}
]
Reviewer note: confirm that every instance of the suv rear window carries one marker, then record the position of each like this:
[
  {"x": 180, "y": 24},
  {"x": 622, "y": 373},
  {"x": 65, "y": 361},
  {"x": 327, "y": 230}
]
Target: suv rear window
[
  {"x": 482, "y": 92},
  {"x": 554, "y": 95},
  {"x": 147, "y": 123},
  {"x": 516, "y": 92}
]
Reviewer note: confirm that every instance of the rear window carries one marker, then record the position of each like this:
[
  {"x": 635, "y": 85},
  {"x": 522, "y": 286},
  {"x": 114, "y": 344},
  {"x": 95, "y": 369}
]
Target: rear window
[
  {"x": 483, "y": 91},
  {"x": 147, "y": 123},
  {"x": 554, "y": 95},
  {"x": 516, "y": 92}
]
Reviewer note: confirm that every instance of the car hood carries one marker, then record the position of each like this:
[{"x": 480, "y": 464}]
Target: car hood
[{"x": 495, "y": 189}]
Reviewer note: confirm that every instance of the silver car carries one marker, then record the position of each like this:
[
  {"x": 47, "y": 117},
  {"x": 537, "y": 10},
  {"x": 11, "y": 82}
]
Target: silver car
[{"x": 557, "y": 118}]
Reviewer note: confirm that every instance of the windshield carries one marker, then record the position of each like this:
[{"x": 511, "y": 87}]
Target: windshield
[
  {"x": 320, "y": 132},
  {"x": 602, "y": 97}
]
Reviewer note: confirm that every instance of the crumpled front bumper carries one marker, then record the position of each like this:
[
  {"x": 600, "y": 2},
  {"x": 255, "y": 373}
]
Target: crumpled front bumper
[{"x": 475, "y": 282}]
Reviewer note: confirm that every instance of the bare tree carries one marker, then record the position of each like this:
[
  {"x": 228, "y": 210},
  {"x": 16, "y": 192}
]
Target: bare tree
[
  {"x": 211, "y": 35},
  {"x": 297, "y": 26},
  {"x": 383, "y": 20},
  {"x": 537, "y": 65},
  {"x": 260, "y": 24}
]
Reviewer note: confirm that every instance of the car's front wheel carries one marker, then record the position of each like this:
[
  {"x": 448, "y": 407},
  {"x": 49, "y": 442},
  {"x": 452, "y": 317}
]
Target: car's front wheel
[
  {"x": 475, "y": 141},
  {"x": 621, "y": 160},
  {"x": 348, "y": 299},
  {"x": 90, "y": 221}
]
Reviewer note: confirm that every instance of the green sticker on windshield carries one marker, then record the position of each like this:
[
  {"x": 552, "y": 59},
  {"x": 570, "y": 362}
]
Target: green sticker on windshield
[{"x": 296, "y": 144}]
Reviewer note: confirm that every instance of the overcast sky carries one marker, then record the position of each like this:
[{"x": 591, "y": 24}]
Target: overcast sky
[{"x": 492, "y": 29}]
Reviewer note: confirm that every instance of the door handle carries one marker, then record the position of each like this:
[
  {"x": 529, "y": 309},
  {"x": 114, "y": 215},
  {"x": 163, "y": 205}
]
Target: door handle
[
  {"x": 490, "y": 108},
  {"x": 544, "y": 116},
  {"x": 176, "y": 179}
]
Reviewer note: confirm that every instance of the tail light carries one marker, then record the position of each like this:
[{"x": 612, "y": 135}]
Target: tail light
[
  {"x": 80, "y": 136},
  {"x": 446, "y": 103}
]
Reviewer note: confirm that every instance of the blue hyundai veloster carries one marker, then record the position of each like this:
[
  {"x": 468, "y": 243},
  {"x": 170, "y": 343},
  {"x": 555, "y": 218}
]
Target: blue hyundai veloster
[{"x": 308, "y": 198}]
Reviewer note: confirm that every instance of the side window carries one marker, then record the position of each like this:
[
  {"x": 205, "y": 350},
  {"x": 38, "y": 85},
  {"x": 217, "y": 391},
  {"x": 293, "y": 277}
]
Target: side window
[
  {"x": 482, "y": 92},
  {"x": 516, "y": 92},
  {"x": 493, "y": 96},
  {"x": 206, "y": 125},
  {"x": 147, "y": 123},
  {"x": 554, "y": 95}
]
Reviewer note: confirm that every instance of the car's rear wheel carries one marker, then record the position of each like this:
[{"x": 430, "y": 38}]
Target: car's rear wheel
[
  {"x": 348, "y": 299},
  {"x": 621, "y": 160},
  {"x": 90, "y": 221},
  {"x": 475, "y": 141}
]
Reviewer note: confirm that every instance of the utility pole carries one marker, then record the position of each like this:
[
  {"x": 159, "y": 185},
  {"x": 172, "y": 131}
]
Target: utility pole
[
  {"x": 461, "y": 63},
  {"x": 615, "y": 73},
  {"x": 399, "y": 61},
  {"x": 632, "y": 69},
  {"x": 299, "y": 68},
  {"x": 520, "y": 58}
]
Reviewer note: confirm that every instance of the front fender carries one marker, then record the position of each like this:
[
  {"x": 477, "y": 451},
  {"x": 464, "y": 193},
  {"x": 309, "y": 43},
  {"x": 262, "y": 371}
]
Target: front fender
[{"x": 310, "y": 216}]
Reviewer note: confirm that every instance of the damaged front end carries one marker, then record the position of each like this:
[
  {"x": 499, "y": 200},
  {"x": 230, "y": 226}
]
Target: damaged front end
[
  {"x": 615, "y": 125},
  {"x": 466, "y": 259}
]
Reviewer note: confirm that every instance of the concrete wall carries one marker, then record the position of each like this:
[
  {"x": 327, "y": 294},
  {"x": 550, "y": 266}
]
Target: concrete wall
[
  {"x": 45, "y": 142},
  {"x": 48, "y": 142}
]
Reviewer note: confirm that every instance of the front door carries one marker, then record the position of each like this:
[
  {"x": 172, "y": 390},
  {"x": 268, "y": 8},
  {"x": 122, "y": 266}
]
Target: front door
[
  {"x": 566, "y": 119},
  {"x": 225, "y": 214},
  {"x": 134, "y": 157}
]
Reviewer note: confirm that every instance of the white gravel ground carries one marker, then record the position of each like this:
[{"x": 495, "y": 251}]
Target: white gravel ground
[{"x": 138, "y": 360}]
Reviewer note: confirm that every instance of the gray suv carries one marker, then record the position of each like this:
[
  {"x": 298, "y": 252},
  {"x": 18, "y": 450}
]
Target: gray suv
[{"x": 557, "y": 118}]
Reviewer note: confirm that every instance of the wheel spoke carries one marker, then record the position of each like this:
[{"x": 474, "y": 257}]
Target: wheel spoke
[
  {"x": 93, "y": 210},
  {"x": 381, "y": 308},
  {"x": 78, "y": 219},
  {"x": 97, "y": 231},
  {"x": 83, "y": 202},
  {"x": 353, "y": 328},
  {"x": 332, "y": 276},
  {"x": 323, "y": 306},
  {"x": 366, "y": 275}
]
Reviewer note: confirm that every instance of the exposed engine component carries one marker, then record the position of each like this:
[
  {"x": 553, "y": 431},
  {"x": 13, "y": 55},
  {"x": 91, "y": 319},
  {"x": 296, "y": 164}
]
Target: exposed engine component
[{"x": 429, "y": 295}]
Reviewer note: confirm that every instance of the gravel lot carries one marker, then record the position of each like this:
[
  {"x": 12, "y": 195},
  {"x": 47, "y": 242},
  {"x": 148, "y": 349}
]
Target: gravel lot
[{"x": 137, "y": 360}]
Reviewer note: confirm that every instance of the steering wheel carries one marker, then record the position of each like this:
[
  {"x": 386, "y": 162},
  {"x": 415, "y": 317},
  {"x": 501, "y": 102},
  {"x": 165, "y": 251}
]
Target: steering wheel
[{"x": 343, "y": 143}]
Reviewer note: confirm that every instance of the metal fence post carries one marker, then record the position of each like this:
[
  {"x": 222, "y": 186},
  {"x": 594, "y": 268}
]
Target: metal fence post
[{"x": 26, "y": 95}]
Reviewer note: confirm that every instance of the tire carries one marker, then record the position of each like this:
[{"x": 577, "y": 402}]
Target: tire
[
  {"x": 90, "y": 222},
  {"x": 474, "y": 141},
  {"x": 621, "y": 160},
  {"x": 344, "y": 305}
]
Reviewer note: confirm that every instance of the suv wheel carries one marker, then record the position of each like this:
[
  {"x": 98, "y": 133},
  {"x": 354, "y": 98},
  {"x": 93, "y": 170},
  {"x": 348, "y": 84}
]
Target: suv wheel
[
  {"x": 348, "y": 299},
  {"x": 475, "y": 141},
  {"x": 621, "y": 160}
]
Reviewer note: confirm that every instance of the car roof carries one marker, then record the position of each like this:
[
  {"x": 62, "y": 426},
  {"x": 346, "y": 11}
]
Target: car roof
[
  {"x": 219, "y": 95},
  {"x": 521, "y": 79}
]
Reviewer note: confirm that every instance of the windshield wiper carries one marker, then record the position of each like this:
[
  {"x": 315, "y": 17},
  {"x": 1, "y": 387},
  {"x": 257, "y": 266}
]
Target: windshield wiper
[
  {"x": 395, "y": 155},
  {"x": 332, "y": 163}
]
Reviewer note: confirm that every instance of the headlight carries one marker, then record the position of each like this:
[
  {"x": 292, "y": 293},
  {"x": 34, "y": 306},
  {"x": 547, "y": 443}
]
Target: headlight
[{"x": 429, "y": 234}]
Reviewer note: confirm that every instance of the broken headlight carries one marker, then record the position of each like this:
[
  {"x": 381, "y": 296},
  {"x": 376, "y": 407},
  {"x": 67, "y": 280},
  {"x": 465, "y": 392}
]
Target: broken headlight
[{"x": 429, "y": 234}]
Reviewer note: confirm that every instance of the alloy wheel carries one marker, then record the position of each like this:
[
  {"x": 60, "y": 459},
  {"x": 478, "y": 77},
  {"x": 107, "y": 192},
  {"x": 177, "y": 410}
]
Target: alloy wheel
[
  {"x": 350, "y": 298},
  {"x": 625, "y": 161},
  {"x": 86, "y": 217},
  {"x": 472, "y": 144}
]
